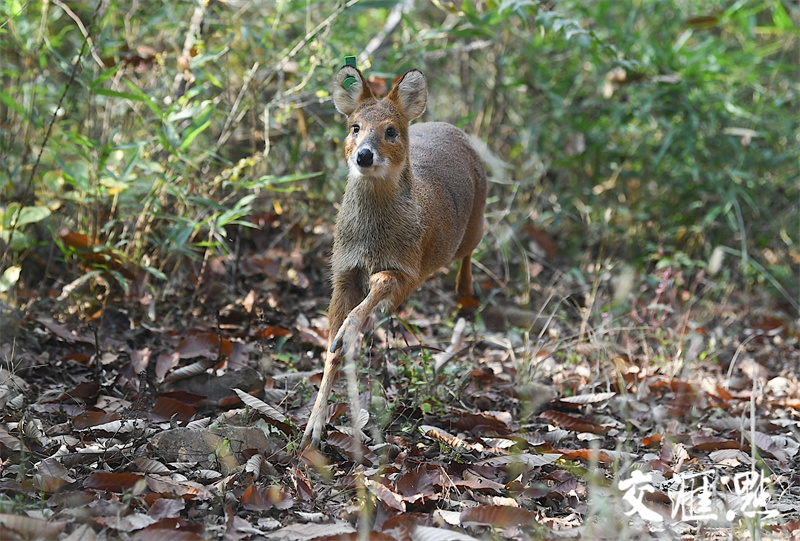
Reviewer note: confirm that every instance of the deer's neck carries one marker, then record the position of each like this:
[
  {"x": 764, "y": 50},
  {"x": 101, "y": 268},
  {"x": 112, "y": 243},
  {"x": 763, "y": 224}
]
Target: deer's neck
[{"x": 379, "y": 225}]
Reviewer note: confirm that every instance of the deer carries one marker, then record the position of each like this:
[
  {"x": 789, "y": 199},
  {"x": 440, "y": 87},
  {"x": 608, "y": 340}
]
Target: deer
[{"x": 413, "y": 203}]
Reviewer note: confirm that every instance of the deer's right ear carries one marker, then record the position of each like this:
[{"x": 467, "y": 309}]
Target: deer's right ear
[{"x": 350, "y": 90}]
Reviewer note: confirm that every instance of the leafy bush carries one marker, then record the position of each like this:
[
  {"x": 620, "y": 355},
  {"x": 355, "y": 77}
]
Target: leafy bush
[{"x": 648, "y": 131}]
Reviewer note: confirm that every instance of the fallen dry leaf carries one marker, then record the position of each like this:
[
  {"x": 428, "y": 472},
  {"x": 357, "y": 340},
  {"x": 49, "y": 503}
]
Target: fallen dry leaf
[
  {"x": 115, "y": 482},
  {"x": 257, "y": 498},
  {"x": 22, "y": 527},
  {"x": 498, "y": 516},
  {"x": 349, "y": 447},
  {"x": 203, "y": 343},
  {"x": 571, "y": 422}
]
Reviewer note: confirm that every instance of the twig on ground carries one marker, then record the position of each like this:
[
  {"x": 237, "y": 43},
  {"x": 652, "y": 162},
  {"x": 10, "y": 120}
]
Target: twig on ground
[{"x": 441, "y": 359}]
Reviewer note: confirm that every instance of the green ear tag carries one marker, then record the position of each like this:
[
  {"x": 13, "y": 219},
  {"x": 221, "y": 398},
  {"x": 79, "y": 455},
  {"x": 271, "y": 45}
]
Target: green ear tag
[{"x": 349, "y": 81}]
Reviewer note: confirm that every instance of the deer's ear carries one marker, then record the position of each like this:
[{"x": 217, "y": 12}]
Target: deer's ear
[
  {"x": 410, "y": 94},
  {"x": 350, "y": 90}
]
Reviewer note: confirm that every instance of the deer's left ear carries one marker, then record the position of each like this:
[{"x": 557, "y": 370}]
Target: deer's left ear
[{"x": 410, "y": 94}]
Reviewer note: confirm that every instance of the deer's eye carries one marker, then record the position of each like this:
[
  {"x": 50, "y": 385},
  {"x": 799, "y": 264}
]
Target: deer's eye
[
  {"x": 355, "y": 128},
  {"x": 391, "y": 132}
]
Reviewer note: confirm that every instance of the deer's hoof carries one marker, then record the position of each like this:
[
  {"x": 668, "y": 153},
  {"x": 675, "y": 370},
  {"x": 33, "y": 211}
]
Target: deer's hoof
[{"x": 345, "y": 339}]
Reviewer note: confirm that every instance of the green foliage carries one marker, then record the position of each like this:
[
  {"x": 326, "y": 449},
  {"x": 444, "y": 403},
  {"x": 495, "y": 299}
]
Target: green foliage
[
  {"x": 645, "y": 130},
  {"x": 14, "y": 219}
]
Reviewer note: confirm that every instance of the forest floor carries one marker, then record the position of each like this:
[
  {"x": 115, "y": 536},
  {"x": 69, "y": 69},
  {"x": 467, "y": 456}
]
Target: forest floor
[{"x": 179, "y": 417}]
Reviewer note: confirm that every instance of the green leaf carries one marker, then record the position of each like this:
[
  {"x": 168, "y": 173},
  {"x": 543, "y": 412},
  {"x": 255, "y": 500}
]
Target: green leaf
[
  {"x": 191, "y": 135},
  {"x": 270, "y": 180},
  {"x": 170, "y": 134},
  {"x": 214, "y": 81},
  {"x": 103, "y": 77},
  {"x": 134, "y": 144},
  {"x": 32, "y": 215},
  {"x": 113, "y": 185},
  {"x": 518, "y": 6},
  {"x": 9, "y": 278},
  {"x": 155, "y": 272},
  {"x": 244, "y": 202},
  {"x": 11, "y": 103},
  {"x": 123, "y": 283},
  {"x": 780, "y": 17},
  {"x": 18, "y": 242},
  {"x": 117, "y": 94},
  {"x": 469, "y": 9},
  {"x": 243, "y": 223},
  {"x": 15, "y": 216},
  {"x": 13, "y": 8},
  {"x": 144, "y": 98},
  {"x": 208, "y": 202},
  {"x": 189, "y": 112},
  {"x": 373, "y": 4},
  {"x": 197, "y": 127}
]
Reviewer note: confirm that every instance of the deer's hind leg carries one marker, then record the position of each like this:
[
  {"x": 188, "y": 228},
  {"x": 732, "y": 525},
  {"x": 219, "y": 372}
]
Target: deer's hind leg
[{"x": 464, "y": 280}]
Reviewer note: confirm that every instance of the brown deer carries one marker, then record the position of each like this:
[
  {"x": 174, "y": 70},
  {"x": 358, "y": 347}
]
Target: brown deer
[{"x": 413, "y": 203}]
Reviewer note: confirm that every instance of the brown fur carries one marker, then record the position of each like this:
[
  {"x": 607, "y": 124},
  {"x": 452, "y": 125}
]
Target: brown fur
[{"x": 418, "y": 207}]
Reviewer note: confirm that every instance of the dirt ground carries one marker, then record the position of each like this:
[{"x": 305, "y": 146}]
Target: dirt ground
[{"x": 673, "y": 415}]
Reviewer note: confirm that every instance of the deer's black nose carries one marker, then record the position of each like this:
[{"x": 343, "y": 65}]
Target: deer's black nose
[{"x": 364, "y": 157}]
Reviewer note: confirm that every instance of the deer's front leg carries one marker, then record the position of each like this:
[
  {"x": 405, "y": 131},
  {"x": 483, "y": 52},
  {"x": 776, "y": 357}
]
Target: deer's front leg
[
  {"x": 348, "y": 291},
  {"x": 316, "y": 421},
  {"x": 387, "y": 289},
  {"x": 389, "y": 286}
]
